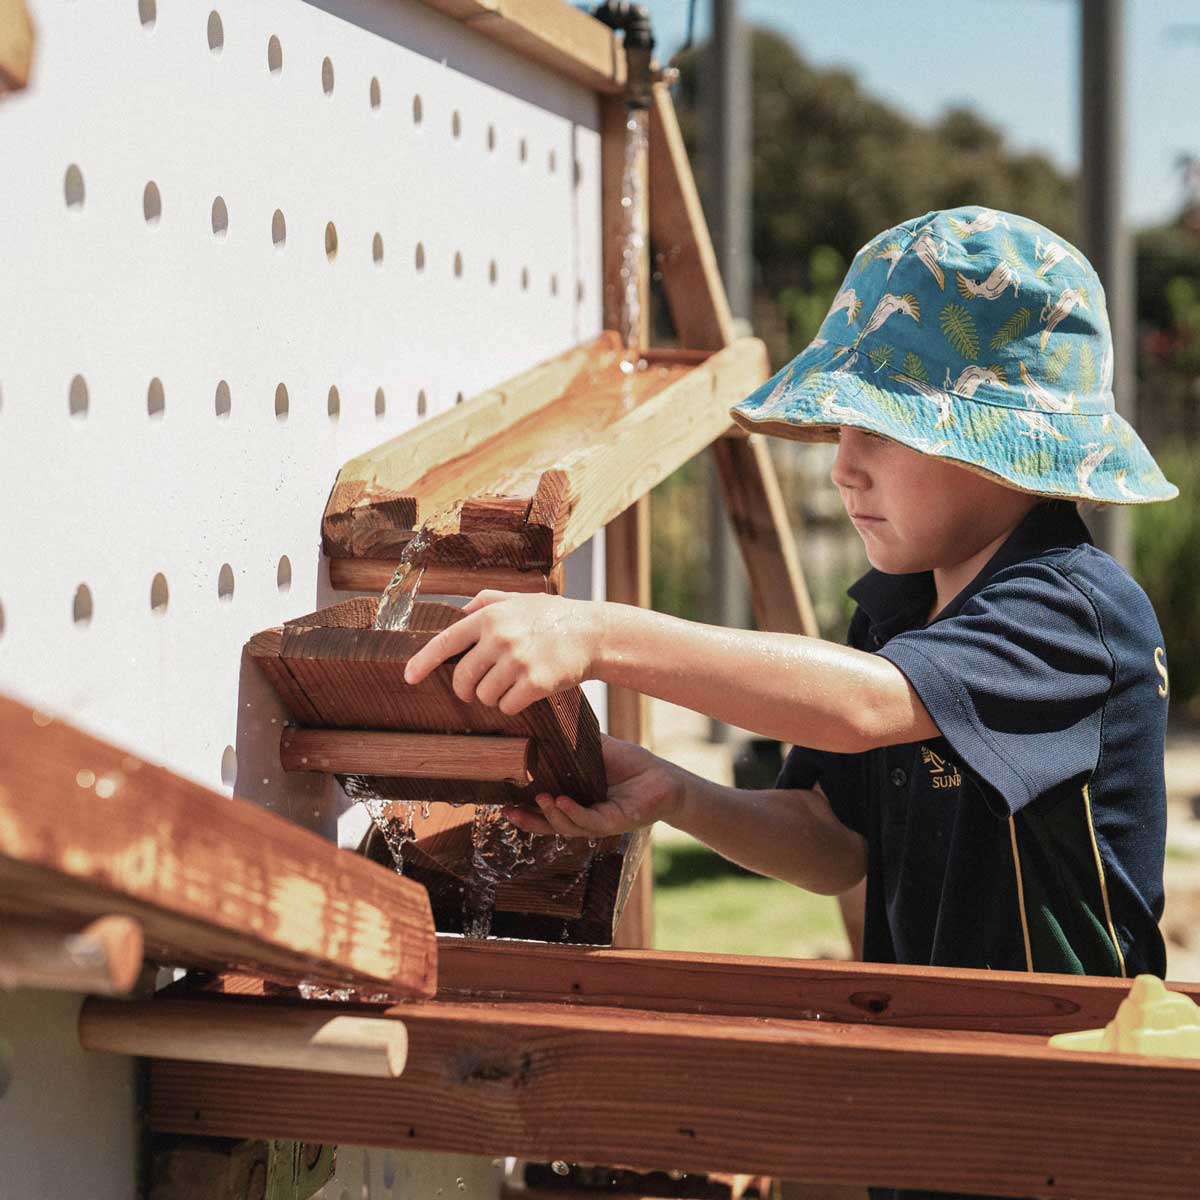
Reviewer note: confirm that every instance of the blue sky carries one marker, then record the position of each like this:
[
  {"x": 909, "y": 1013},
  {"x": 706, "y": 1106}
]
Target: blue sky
[{"x": 1014, "y": 61}]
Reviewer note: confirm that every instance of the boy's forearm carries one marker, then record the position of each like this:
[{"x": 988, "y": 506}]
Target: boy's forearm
[
  {"x": 797, "y": 689},
  {"x": 790, "y": 835}
]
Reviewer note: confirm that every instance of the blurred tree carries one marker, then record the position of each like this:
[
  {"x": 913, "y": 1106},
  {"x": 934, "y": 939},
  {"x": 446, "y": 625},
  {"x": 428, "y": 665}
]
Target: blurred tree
[{"x": 832, "y": 166}]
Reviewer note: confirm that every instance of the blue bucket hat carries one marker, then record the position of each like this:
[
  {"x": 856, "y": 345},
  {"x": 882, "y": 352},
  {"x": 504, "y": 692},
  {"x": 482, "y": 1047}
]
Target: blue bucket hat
[{"x": 979, "y": 337}]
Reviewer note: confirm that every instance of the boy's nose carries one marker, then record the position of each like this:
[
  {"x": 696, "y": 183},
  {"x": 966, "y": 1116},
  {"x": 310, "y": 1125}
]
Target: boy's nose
[{"x": 848, "y": 470}]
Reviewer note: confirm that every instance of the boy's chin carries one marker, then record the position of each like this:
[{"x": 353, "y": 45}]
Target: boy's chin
[{"x": 891, "y": 562}]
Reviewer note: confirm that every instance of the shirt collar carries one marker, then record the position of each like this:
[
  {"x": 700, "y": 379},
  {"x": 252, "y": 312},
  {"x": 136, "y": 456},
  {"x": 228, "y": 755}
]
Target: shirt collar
[{"x": 892, "y": 603}]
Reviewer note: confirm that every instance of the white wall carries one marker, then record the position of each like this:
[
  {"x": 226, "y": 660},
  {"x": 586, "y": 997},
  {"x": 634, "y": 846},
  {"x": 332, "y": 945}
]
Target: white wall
[{"x": 140, "y": 362}]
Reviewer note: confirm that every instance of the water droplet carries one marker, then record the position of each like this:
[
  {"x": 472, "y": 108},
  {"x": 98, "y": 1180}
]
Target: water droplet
[
  {"x": 559, "y": 1167},
  {"x": 461, "y": 1184}
]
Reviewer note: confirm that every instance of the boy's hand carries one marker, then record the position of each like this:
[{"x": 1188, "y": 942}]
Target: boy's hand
[
  {"x": 642, "y": 788},
  {"x": 519, "y": 648}
]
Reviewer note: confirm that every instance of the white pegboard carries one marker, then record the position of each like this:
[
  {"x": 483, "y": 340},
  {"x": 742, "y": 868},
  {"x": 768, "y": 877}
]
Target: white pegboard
[{"x": 170, "y": 346}]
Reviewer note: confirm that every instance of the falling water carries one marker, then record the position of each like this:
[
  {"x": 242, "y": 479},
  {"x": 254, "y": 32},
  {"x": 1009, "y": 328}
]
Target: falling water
[{"x": 633, "y": 232}]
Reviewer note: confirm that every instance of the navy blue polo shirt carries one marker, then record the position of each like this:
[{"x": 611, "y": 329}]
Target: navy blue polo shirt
[{"x": 1030, "y": 835}]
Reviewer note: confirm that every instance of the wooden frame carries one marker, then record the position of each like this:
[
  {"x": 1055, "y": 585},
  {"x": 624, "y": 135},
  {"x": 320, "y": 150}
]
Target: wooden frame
[
  {"x": 89, "y": 830},
  {"x": 723, "y": 1063}
]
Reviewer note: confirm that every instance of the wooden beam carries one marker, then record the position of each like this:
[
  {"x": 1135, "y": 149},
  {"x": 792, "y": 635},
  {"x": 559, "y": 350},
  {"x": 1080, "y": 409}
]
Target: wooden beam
[
  {"x": 551, "y": 32},
  {"x": 374, "y": 574},
  {"x": 778, "y": 589},
  {"x": 700, "y": 310},
  {"x": 104, "y": 957},
  {"x": 409, "y": 755},
  {"x": 302, "y": 1038},
  {"x": 705, "y": 1093},
  {"x": 683, "y": 249},
  {"x": 16, "y": 45},
  {"x": 376, "y": 481},
  {"x": 736, "y": 985},
  {"x": 88, "y": 829}
]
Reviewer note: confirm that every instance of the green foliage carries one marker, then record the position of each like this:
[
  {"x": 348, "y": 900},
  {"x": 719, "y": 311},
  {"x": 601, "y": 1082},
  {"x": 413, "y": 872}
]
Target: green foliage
[
  {"x": 959, "y": 327},
  {"x": 982, "y": 421},
  {"x": 1012, "y": 255},
  {"x": 1012, "y": 329},
  {"x": 804, "y": 304},
  {"x": 1165, "y": 538},
  {"x": 833, "y": 166},
  {"x": 1035, "y": 464}
]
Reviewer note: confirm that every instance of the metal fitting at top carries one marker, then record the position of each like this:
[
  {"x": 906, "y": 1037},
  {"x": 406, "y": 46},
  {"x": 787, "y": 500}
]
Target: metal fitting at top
[{"x": 633, "y": 20}]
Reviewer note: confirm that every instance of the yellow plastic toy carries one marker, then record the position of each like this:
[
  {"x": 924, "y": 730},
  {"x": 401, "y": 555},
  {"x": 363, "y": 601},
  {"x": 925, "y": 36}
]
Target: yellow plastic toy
[{"x": 1151, "y": 1020}]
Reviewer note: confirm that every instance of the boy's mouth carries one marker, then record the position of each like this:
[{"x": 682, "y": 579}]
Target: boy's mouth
[{"x": 865, "y": 520}]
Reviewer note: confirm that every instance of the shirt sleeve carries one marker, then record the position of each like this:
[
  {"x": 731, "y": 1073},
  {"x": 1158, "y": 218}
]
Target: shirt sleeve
[
  {"x": 1016, "y": 682},
  {"x": 839, "y": 777}
]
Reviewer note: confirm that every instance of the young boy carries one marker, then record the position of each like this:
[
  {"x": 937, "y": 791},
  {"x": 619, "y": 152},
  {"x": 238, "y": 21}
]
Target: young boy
[{"x": 988, "y": 750}]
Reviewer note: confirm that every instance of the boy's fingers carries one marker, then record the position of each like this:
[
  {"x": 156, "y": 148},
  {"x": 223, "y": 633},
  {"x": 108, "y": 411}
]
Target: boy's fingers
[
  {"x": 483, "y": 599},
  {"x": 519, "y": 696},
  {"x": 528, "y": 822},
  {"x": 591, "y": 820},
  {"x": 471, "y": 668},
  {"x": 558, "y": 820},
  {"x": 452, "y": 640},
  {"x": 494, "y": 684}
]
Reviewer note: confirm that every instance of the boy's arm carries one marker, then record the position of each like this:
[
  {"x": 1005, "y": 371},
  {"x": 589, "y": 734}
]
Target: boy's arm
[
  {"x": 791, "y": 834},
  {"x": 517, "y": 649},
  {"x": 796, "y": 689}
]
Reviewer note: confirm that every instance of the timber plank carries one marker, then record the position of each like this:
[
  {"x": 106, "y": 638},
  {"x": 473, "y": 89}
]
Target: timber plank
[
  {"x": 737, "y": 985},
  {"x": 817, "y": 1100},
  {"x": 88, "y": 830},
  {"x": 551, "y": 32},
  {"x": 16, "y": 45}
]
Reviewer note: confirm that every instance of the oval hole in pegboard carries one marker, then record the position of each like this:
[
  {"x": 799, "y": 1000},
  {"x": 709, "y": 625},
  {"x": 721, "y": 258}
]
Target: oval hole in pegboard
[
  {"x": 222, "y": 401},
  {"x": 553, "y": 285},
  {"x": 278, "y": 229},
  {"x": 577, "y": 172},
  {"x": 81, "y": 606},
  {"x": 228, "y": 766},
  {"x": 274, "y": 55},
  {"x": 73, "y": 187},
  {"x": 422, "y": 403},
  {"x": 225, "y": 583},
  {"x": 283, "y": 574},
  {"x": 458, "y": 264},
  {"x": 491, "y": 139},
  {"x": 493, "y": 272},
  {"x": 376, "y": 94},
  {"x": 524, "y": 279},
  {"x": 418, "y": 110},
  {"x": 331, "y": 241},
  {"x": 579, "y": 291},
  {"x": 281, "y": 402},
  {"x": 333, "y": 405},
  {"x": 156, "y": 399},
  {"x": 523, "y": 150},
  {"x": 152, "y": 203},
  {"x": 458, "y": 397},
  {"x": 552, "y": 162},
  {"x": 147, "y": 13},
  {"x": 160, "y": 595},
  {"x": 216, "y": 32},
  {"x": 377, "y": 249},
  {"x": 380, "y": 403},
  {"x": 327, "y": 76},
  {"x": 420, "y": 257},
  {"x": 77, "y": 398},
  {"x": 456, "y": 123},
  {"x": 220, "y": 217}
]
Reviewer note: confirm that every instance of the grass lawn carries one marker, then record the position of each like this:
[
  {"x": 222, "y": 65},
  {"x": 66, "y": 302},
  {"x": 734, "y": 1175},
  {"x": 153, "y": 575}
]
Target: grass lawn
[{"x": 703, "y": 902}]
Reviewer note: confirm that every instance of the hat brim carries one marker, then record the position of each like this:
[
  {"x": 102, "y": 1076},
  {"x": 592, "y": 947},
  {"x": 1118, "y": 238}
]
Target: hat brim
[{"x": 1094, "y": 456}]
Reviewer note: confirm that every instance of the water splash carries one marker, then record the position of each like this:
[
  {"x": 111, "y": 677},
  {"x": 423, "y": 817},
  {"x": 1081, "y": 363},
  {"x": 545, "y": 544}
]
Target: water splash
[{"x": 633, "y": 230}]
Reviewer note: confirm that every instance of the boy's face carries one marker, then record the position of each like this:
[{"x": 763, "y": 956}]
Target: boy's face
[{"x": 915, "y": 512}]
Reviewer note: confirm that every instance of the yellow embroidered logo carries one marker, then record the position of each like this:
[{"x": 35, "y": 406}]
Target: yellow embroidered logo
[
  {"x": 942, "y": 774},
  {"x": 1160, "y": 665}
]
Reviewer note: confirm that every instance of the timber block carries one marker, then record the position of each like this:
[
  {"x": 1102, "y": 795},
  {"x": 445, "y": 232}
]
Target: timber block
[{"x": 334, "y": 672}]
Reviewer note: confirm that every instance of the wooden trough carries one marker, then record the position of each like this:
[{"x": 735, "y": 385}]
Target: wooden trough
[{"x": 344, "y": 681}]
